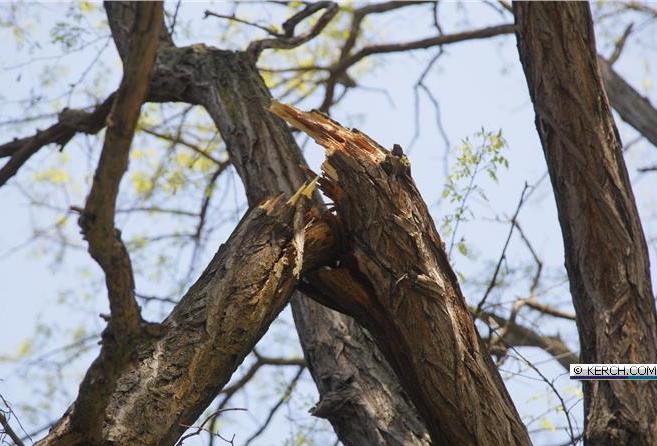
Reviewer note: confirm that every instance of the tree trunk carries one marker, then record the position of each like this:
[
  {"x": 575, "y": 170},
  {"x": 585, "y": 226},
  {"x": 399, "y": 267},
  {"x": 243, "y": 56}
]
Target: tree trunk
[
  {"x": 606, "y": 254},
  {"x": 394, "y": 278},
  {"x": 148, "y": 392},
  {"x": 359, "y": 393}
]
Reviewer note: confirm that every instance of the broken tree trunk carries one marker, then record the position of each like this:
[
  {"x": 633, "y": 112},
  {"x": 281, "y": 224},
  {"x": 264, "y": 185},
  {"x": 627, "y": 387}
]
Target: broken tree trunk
[
  {"x": 394, "y": 278},
  {"x": 359, "y": 393},
  {"x": 605, "y": 249},
  {"x": 148, "y": 392}
]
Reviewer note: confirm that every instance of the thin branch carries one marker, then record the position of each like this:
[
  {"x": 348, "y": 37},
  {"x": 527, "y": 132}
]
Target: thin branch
[
  {"x": 620, "y": 44},
  {"x": 269, "y": 31},
  {"x": 201, "y": 427},
  {"x": 97, "y": 218},
  {"x": 493, "y": 281},
  {"x": 69, "y": 123},
  {"x": 520, "y": 336},
  {"x": 284, "y": 397},
  {"x": 288, "y": 40},
  {"x": 343, "y": 64},
  {"x": 547, "y": 309},
  {"x": 183, "y": 142},
  {"x": 361, "y": 13},
  {"x": 9, "y": 431}
]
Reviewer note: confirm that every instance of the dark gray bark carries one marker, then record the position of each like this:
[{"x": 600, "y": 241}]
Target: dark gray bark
[
  {"x": 359, "y": 393},
  {"x": 606, "y": 255}
]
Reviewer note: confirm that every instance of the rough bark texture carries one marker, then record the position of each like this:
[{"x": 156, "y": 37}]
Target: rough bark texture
[
  {"x": 393, "y": 276},
  {"x": 359, "y": 393},
  {"x": 606, "y": 254},
  {"x": 146, "y": 393},
  {"x": 635, "y": 109}
]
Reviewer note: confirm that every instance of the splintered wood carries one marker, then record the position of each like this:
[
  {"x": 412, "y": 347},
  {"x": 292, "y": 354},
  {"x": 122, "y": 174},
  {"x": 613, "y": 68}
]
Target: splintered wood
[{"x": 393, "y": 276}]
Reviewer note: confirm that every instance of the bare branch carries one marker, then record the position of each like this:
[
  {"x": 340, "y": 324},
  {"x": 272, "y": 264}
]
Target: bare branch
[
  {"x": 179, "y": 140},
  {"x": 620, "y": 44},
  {"x": 284, "y": 397},
  {"x": 69, "y": 123},
  {"x": 288, "y": 40},
  {"x": 519, "y": 336},
  {"x": 9, "y": 431},
  {"x": 269, "y": 31},
  {"x": 493, "y": 280},
  {"x": 97, "y": 219},
  {"x": 344, "y": 63},
  {"x": 635, "y": 109}
]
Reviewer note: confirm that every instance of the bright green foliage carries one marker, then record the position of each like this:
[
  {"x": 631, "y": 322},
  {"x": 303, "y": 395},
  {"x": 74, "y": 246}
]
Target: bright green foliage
[{"x": 472, "y": 159}]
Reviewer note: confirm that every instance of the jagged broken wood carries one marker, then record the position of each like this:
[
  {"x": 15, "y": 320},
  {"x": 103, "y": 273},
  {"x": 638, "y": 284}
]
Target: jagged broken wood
[{"x": 393, "y": 277}]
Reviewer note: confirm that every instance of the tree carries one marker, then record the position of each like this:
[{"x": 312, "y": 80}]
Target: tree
[
  {"x": 152, "y": 381},
  {"x": 606, "y": 253}
]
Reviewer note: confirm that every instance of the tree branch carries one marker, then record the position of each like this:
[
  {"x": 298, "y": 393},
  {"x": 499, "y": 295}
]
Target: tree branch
[
  {"x": 97, "y": 218},
  {"x": 9, "y": 431},
  {"x": 341, "y": 66},
  {"x": 69, "y": 123},
  {"x": 288, "y": 40},
  {"x": 634, "y": 108}
]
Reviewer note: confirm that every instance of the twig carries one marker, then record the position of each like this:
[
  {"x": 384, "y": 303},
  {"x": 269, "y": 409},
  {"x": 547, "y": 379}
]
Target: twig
[
  {"x": 9, "y": 431},
  {"x": 284, "y": 397},
  {"x": 493, "y": 281},
  {"x": 343, "y": 64},
  {"x": 620, "y": 44},
  {"x": 7, "y": 427},
  {"x": 201, "y": 427},
  {"x": 232, "y": 17}
]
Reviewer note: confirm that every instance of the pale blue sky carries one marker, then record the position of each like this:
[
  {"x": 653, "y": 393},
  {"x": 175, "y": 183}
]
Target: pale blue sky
[{"x": 479, "y": 84}]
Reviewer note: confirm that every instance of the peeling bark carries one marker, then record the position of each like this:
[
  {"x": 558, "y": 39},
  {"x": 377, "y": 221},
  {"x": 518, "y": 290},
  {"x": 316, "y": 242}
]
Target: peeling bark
[
  {"x": 394, "y": 278},
  {"x": 606, "y": 254}
]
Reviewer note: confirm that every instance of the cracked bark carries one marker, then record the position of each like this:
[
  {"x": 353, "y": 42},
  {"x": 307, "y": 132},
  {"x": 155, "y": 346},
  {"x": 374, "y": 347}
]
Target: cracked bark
[
  {"x": 147, "y": 392},
  {"x": 394, "y": 278},
  {"x": 359, "y": 393},
  {"x": 606, "y": 254}
]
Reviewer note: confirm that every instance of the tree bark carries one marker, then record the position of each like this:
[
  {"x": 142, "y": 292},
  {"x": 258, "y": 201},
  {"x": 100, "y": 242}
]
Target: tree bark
[
  {"x": 394, "y": 278},
  {"x": 359, "y": 393},
  {"x": 148, "y": 392},
  {"x": 606, "y": 254}
]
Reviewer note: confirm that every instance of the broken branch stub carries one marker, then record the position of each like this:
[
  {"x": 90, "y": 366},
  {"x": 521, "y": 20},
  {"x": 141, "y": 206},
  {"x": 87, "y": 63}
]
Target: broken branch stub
[{"x": 394, "y": 278}]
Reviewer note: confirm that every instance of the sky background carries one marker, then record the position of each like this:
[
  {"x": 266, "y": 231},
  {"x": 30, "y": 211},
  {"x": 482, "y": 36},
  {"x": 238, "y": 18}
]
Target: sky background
[{"x": 478, "y": 84}]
